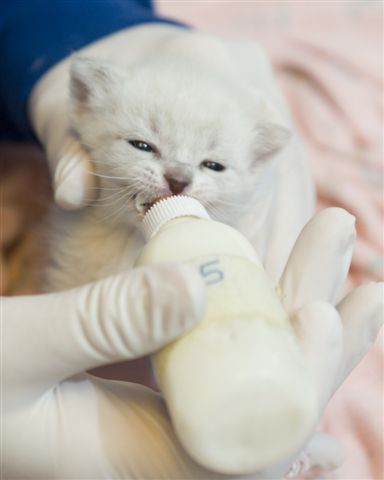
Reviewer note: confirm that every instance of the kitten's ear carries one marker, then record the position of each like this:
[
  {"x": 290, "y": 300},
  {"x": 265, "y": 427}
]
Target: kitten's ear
[
  {"x": 91, "y": 80},
  {"x": 271, "y": 132}
]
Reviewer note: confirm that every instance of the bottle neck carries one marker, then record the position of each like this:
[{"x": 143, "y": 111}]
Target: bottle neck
[{"x": 170, "y": 209}]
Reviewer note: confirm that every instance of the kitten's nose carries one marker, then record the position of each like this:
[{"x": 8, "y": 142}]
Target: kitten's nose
[
  {"x": 175, "y": 185},
  {"x": 178, "y": 175}
]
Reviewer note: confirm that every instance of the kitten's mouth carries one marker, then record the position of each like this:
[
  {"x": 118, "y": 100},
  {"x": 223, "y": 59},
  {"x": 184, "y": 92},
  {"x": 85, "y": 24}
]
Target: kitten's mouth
[
  {"x": 142, "y": 204},
  {"x": 156, "y": 200}
]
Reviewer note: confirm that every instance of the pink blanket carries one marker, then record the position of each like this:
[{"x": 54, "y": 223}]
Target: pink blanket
[{"x": 328, "y": 58}]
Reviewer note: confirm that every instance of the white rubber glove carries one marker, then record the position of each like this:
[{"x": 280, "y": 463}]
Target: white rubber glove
[
  {"x": 61, "y": 423},
  {"x": 57, "y": 424},
  {"x": 289, "y": 198},
  {"x": 335, "y": 334}
]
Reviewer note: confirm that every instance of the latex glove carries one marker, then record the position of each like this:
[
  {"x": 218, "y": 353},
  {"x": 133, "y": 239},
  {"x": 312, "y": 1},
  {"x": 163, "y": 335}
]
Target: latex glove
[
  {"x": 334, "y": 333},
  {"x": 289, "y": 199},
  {"x": 60, "y": 423},
  {"x": 57, "y": 424}
]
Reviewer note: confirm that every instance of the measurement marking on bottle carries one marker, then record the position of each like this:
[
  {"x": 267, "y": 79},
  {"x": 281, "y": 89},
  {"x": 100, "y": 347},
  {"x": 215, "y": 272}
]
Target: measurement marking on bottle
[{"x": 211, "y": 272}]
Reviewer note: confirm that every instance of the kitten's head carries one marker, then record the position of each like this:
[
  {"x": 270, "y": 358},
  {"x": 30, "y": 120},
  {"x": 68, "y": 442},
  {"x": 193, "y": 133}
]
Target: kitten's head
[{"x": 152, "y": 132}]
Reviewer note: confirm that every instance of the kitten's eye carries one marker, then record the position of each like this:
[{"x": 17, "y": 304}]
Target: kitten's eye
[
  {"x": 218, "y": 167},
  {"x": 141, "y": 145}
]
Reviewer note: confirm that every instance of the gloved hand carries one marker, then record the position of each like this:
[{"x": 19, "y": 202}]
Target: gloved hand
[
  {"x": 61, "y": 423},
  {"x": 335, "y": 332}
]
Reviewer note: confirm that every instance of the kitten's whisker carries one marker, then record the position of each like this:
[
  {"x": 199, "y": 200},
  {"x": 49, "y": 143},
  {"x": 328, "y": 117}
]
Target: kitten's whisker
[
  {"x": 100, "y": 175},
  {"x": 121, "y": 194},
  {"x": 215, "y": 212},
  {"x": 105, "y": 200},
  {"x": 109, "y": 204},
  {"x": 106, "y": 188},
  {"x": 120, "y": 191},
  {"x": 117, "y": 212},
  {"x": 109, "y": 217},
  {"x": 232, "y": 205},
  {"x": 108, "y": 197},
  {"x": 101, "y": 162},
  {"x": 127, "y": 195},
  {"x": 226, "y": 202},
  {"x": 137, "y": 190}
]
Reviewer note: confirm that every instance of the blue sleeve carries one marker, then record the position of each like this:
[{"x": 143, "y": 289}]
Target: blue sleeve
[{"x": 36, "y": 34}]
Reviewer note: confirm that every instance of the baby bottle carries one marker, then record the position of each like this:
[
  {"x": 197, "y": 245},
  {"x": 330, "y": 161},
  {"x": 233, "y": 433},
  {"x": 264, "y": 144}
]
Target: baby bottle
[{"x": 236, "y": 386}]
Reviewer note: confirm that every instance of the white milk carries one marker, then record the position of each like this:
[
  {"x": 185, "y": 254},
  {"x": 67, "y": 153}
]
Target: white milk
[{"x": 236, "y": 386}]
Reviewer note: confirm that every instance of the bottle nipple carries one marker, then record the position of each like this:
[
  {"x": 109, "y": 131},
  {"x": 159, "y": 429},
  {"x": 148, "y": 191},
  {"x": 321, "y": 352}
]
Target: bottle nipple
[{"x": 167, "y": 208}]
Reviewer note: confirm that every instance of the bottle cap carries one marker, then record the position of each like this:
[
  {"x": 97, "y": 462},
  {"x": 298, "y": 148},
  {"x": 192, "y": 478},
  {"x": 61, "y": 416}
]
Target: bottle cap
[{"x": 168, "y": 209}]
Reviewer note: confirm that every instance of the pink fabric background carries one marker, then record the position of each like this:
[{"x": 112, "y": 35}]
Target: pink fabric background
[{"x": 328, "y": 57}]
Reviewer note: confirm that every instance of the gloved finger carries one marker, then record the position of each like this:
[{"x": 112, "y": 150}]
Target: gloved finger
[
  {"x": 320, "y": 260},
  {"x": 52, "y": 337},
  {"x": 321, "y": 454},
  {"x": 74, "y": 183},
  {"x": 48, "y": 109},
  {"x": 361, "y": 312},
  {"x": 320, "y": 333}
]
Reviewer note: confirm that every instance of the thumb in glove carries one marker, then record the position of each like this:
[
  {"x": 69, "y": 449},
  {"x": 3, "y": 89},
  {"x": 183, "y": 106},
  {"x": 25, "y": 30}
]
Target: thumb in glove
[{"x": 120, "y": 318}]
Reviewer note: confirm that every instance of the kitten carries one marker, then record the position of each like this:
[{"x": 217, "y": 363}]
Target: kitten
[{"x": 179, "y": 122}]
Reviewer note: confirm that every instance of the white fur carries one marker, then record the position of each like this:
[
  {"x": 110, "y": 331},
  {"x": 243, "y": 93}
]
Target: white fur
[{"x": 192, "y": 110}]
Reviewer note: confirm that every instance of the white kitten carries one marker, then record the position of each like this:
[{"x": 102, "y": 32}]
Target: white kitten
[{"x": 176, "y": 123}]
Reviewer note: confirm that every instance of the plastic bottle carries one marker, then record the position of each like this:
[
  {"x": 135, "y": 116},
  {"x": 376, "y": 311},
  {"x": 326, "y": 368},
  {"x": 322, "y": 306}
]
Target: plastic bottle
[{"x": 236, "y": 386}]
